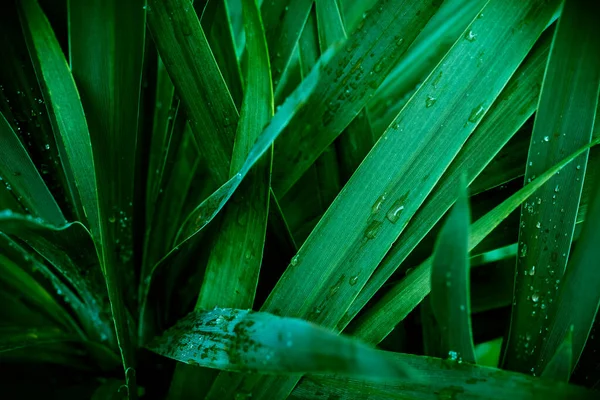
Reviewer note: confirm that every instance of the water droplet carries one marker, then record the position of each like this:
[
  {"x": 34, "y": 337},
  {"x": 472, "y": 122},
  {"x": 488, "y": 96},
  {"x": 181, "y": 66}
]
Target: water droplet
[
  {"x": 556, "y": 189},
  {"x": 546, "y": 138},
  {"x": 578, "y": 167},
  {"x": 523, "y": 250},
  {"x": 476, "y": 113},
  {"x": 532, "y": 270},
  {"x": 47, "y": 147},
  {"x": 377, "y": 205},
  {"x": 470, "y": 36},
  {"x": 462, "y": 307},
  {"x": 373, "y": 229},
  {"x": 535, "y": 297},
  {"x": 538, "y": 225},
  {"x": 453, "y": 355},
  {"x": 430, "y": 101},
  {"x": 111, "y": 219},
  {"x": 352, "y": 281},
  {"x": 294, "y": 261},
  {"x": 394, "y": 212}
]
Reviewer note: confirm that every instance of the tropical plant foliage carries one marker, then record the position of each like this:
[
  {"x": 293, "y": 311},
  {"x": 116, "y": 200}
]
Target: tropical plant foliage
[{"x": 231, "y": 199}]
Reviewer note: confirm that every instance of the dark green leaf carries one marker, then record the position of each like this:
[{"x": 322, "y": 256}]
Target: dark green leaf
[{"x": 450, "y": 282}]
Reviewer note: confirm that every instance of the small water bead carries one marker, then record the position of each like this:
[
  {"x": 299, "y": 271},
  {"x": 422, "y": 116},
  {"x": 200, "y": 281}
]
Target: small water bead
[
  {"x": 470, "y": 36},
  {"x": 394, "y": 212},
  {"x": 430, "y": 101},
  {"x": 476, "y": 113},
  {"x": 353, "y": 280},
  {"x": 546, "y": 138},
  {"x": 535, "y": 297},
  {"x": 532, "y": 271},
  {"x": 294, "y": 261}
]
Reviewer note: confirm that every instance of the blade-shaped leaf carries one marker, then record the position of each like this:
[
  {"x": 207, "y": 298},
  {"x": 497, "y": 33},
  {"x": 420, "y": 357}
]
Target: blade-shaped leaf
[
  {"x": 106, "y": 47},
  {"x": 19, "y": 174},
  {"x": 209, "y": 208},
  {"x": 561, "y": 364},
  {"x": 578, "y": 294},
  {"x": 15, "y": 337},
  {"x": 216, "y": 23},
  {"x": 512, "y": 108},
  {"x": 239, "y": 340},
  {"x": 442, "y": 380},
  {"x": 186, "y": 53},
  {"x": 403, "y": 297},
  {"x": 283, "y": 22},
  {"x": 400, "y": 171},
  {"x": 350, "y": 78},
  {"x": 433, "y": 42},
  {"x": 65, "y": 112},
  {"x": 563, "y": 123},
  {"x": 70, "y": 250},
  {"x": 450, "y": 282},
  {"x": 232, "y": 272},
  {"x": 231, "y": 275}
]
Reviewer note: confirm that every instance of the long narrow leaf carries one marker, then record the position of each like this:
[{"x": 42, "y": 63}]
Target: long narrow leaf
[
  {"x": 65, "y": 111},
  {"x": 399, "y": 172},
  {"x": 563, "y": 123},
  {"x": 403, "y": 297},
  {"x": 19, "y": 174},
  {"x": 442, "y": 380},
  {"x": 106, "y": 47},
  {"x": 450, "y": 282},
  {"x": 350, "y": 78},
  {"x": 579, "y": 293},
  {"x": 183, "y": 46},
  {"x": 238, "y": 340},
  {"x": 512, "y": 108}
]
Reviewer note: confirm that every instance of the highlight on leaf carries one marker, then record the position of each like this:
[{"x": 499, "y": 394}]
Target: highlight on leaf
[{"x": 240, "y": 340}]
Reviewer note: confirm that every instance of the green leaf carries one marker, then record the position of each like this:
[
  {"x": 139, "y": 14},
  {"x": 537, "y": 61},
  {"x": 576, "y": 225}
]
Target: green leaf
[
  {"x": 376, "y": 323},
  {"x": 22, "y": 103},
  {"x": 16, "y": 337},
  {"x": 184, "y": 49},
  {"x": 427, "y": 50},
  {"x": 563, "y": 123},
  {"x": 239, "y": 340},
  {"x": 442, "y": 380},
  {"x": 390, "y": 185},
  {"x": 283, "y": 23},
  {"x": 450, "y": 282},
  {"x": 346, "y": 85},
  {"x": 233, "y": 266},
  {"x": 65, "y": 112},
  {"x": 510, "y": 110},
  {"x": 354, "y": 143},
  {"x": 163, "y": 119},
  {"x": 561, "y": 364},
  {"x": 19, "y": 174},
  {"x": 578, "y": 294},
  {"x": 106, "y": 47},
  {"x": 209, "y": 208},
  {"x": 231, "y": 275},
  {"x": 31, "y": 298},
  {"x": 70, "y": 250},
  {"x": 217, "y": 26}
]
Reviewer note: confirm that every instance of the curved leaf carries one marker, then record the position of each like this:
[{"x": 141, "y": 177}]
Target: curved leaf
[
  {"x": 450, "y": 282},
  {"x": 239, "y": 340}
]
